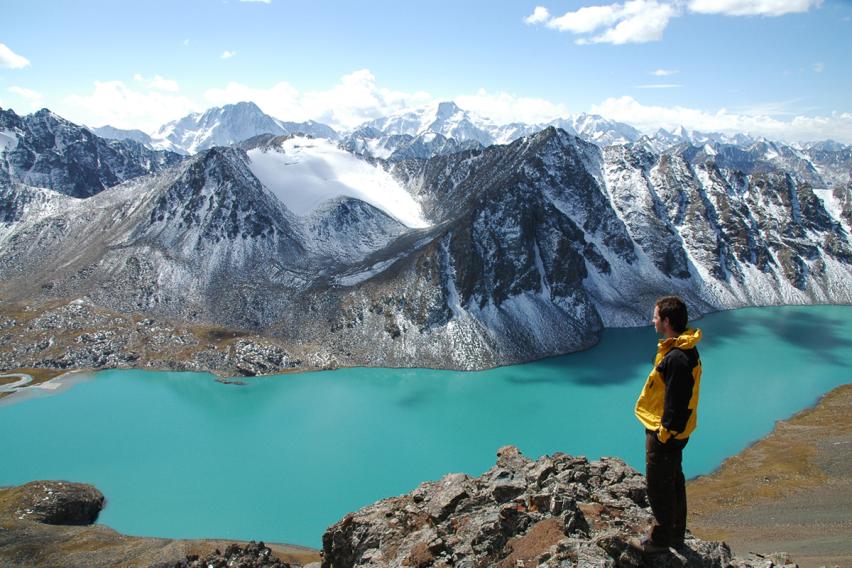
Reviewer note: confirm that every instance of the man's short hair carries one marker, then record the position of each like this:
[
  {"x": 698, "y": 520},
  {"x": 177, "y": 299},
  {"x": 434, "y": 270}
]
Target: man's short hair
[{"x": 673, "y": 309}]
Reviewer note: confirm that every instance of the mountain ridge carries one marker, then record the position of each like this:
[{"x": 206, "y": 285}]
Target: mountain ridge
[{"x": 531, "y": 247}]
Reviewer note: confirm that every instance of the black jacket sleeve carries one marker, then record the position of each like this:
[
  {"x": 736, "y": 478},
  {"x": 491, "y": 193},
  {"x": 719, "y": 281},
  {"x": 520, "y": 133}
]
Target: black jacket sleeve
[{"x": 676, "y": 369}]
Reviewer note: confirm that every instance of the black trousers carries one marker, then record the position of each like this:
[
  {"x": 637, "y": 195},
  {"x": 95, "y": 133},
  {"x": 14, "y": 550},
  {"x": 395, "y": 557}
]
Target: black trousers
[{"x": 666, "y": 489}]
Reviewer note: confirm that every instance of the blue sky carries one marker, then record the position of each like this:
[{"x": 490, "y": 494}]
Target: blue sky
[{"x": 775, "y": 67}]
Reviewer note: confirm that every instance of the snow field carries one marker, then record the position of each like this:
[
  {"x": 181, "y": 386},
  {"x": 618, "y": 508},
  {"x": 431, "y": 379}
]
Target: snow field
[{"x": 304, "y": 173}]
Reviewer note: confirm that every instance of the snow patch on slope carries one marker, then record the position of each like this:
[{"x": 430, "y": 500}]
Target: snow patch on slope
[
  {"x": 304, "y": 173},
  {"x": 8, "y": 140},
  {"x": 831, "y": 204}
]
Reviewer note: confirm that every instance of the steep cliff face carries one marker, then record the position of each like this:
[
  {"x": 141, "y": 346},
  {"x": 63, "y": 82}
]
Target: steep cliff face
[{"x": 744, "y": 238}]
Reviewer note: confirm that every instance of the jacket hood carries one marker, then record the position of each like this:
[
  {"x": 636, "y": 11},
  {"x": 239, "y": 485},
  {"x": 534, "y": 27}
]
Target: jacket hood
[{"x": 686, "y": 340}]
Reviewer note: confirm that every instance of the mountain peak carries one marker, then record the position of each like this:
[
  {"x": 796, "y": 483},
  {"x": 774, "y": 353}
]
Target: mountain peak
[
  {"x": 242, "y": 106},
  {"x": 446, "y": 109}
]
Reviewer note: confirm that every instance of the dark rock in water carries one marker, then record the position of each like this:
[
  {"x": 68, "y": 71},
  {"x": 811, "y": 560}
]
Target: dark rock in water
[
  {"x": 230, "y": 382},
  {"x": 58, "y": 503},
  {"x": 557, "y": 511},
  {"x": 254, "y": 555}
]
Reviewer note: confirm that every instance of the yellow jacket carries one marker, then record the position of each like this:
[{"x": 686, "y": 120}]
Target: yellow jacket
[{"x": 668, "y": 404}]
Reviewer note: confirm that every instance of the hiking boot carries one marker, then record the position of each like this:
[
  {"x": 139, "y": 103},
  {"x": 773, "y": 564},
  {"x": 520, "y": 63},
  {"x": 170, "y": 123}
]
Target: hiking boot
[{"x": 647, "y": 546}]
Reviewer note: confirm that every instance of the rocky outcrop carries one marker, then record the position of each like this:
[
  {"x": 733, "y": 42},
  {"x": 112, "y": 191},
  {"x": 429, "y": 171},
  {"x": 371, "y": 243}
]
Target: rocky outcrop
[
  {"x": 57, "y": 503},
  {"x": 557, "y": 511},
  {"x": 254, "y": 555},
  {"x": 252, "y": 358}
]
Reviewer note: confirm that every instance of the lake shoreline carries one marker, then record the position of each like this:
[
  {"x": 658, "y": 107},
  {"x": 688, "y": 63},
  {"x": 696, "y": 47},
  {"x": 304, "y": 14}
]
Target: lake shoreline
[{"x": 214, "y": 348}]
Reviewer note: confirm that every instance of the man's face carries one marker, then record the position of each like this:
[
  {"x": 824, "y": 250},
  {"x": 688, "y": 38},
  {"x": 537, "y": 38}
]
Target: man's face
[{"x": 659, "y": 324}]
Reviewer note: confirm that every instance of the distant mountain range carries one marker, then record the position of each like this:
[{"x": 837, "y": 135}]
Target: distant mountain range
[
  {"x": 415, "y": 239},
  {"x": 438, "y": 128}
]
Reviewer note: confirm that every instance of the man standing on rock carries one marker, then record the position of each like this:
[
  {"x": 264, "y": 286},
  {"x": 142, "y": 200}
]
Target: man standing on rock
[{"x": 668, "y": 409}]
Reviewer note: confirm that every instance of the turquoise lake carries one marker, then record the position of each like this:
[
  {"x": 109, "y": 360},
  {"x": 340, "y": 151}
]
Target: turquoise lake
[{"x": 180, "y": 455}]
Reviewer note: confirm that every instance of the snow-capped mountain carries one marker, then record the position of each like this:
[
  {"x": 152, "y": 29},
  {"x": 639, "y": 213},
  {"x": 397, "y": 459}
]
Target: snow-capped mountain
[
  {"x": 832, "y": 160},
  {"x": 434, "y": 129},
  {"x": 448, "y": 121},
  {"x": 230, "y": 124},
  {"x": 444, "y": 118},
  {"x": 602, "y": 131},
  {"x": 121, "y": 134},
  {"x": 370, "y": 142},
  {"x": 663, "y": 139},
  {"x": 45, "y": 150},
  {"x": 486, "y": 256}
]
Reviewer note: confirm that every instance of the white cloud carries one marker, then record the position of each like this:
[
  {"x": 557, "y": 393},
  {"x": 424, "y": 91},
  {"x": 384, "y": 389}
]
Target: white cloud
[
  {"x": 838, "y": 126},
  {"x": 818, "y": 67},
  {"x": 539, "y": 16},
  {"x": 752, "y": 7},
  {"x": 664, "y": 72},
  {"x": 186, "y": 42},
  {"x": 586, "y": 19},
  {"x": 659, "y": 86},
  {"x": 504, "y": 108},
  {"x": 10, "y": 59},
  {"x": 116, "y": 104},
  {"x": 354, "y": 100},
  {"x": 635, "y": 21},
  {"x": 258, "y": 1},
  {"x": 34, "y": 99},
  {"x": 158, "y": 83},
  {"x": 228, "y": 54},
  {"x": 641, "y": 22}
]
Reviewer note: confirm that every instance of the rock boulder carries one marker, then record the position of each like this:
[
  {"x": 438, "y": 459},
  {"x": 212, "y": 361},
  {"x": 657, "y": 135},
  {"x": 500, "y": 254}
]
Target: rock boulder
[{"x": 58, "y": 503}]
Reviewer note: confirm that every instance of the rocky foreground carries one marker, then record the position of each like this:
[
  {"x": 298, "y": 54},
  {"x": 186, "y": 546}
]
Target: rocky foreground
[{"x": 557, "y": 511}]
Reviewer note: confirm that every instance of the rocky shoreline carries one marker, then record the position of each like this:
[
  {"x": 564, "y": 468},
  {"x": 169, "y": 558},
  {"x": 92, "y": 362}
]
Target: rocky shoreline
[
  {"x": 52, "y": 339},
  {"x": 48, "y": 340}
]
